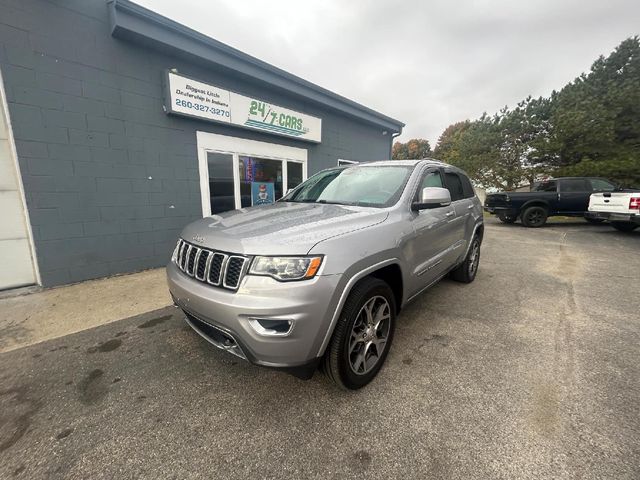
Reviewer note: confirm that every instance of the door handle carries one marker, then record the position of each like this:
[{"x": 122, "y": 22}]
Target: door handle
[
  {"x": 469, "y": 207},
  {"x": 449, "y": 214}
]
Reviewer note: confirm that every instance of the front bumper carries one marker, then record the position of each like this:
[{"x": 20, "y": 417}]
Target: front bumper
[
  {"x": 308, "y": 304},
  {"x": 614, "y": 217},
  {"x": 508, "y": 211}
]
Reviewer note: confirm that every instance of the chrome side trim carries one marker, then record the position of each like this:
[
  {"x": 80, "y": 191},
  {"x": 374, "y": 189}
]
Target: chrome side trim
[
  {"x": 430, "y": 266},
  {"x": 437, "y": 259},
  {"x": 343, "y": 298},
  {"x": 429, "y": 285}
]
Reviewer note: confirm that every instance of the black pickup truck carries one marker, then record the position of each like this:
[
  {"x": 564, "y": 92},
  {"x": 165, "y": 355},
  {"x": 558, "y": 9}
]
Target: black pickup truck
[{"x": 568, "y": 196}]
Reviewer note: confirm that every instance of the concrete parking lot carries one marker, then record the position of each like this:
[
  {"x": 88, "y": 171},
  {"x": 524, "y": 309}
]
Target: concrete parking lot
[{"x": 532, "y": 372}]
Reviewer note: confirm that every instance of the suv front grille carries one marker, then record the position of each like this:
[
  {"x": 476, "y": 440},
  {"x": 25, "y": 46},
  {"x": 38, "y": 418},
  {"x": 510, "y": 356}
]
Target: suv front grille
[
  {"x": 215, "y": 268},
  {"x": 234, "y": 270}
]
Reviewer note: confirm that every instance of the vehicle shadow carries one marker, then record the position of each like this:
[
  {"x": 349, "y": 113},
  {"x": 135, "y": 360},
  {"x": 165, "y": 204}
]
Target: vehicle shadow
[{"x": 570, "y": 223}]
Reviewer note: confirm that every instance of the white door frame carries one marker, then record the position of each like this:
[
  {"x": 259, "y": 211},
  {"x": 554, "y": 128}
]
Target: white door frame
[{"x": 236, "y": 146}]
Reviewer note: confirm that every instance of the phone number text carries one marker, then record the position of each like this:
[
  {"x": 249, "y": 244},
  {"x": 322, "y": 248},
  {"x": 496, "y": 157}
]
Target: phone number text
[{"x": 202, "y": 108}]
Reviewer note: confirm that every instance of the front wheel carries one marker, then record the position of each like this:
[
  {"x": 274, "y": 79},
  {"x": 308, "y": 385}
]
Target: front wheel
[
  {"x": 363, "y": 335},
  {"x": 624, "y": 226},
  {"x": 534, "y": 217},
  {"x": 466, "y": 272}
]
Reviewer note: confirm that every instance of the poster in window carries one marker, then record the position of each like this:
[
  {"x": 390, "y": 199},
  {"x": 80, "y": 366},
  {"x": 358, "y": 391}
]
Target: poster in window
[{"x": 262, "y": 193}]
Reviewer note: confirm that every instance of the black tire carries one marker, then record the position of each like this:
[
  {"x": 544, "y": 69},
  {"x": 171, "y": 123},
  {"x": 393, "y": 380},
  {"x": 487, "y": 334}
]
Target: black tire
[
  {"x": 535, "y": 216},
  {"x": 624, "y": 226},
  {"x": 338, "y": 361},
  {"x": 507, "y": 218},
  {"x": 594, "y": 220},
  {"x": 467, "y": 270}
]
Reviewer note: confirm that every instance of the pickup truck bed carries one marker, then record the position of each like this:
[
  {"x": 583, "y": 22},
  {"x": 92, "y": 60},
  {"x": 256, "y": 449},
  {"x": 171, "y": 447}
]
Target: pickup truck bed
[
  {"x": 567, "y": 196},
  {"x": 622, "y": 209}
]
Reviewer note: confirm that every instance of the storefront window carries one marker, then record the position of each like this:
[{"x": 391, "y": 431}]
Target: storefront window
[
  {"x": 220, "y": 167},
  {"x": 294, "y": 174},
  {"x": 260, "y": 180}
]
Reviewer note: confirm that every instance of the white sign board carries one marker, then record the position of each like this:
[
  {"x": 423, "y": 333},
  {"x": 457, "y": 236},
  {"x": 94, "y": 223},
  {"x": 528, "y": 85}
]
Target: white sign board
[{"x": 196, "y": 99}]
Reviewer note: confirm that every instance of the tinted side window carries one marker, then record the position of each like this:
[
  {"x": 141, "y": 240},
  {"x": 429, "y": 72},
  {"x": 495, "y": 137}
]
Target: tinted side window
[
  {"x": 574, "y": 185},
  {"x": 546, "y": 186},
  {"x": 600, "y": 185},
  {"x": 454, "y": 184},
  {"x": 469, "y": 192}
]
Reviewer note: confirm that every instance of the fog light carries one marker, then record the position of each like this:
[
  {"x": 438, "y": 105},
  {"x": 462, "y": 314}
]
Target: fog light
[{"x": 270, "y": 327}]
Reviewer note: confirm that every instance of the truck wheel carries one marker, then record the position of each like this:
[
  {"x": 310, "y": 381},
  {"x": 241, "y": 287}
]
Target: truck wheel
[
  {"x": 363, "y": 335},
  {"x": 534, "y": 217},
  {"x": 624, "y": 226},
  {"x": 506, "y": 218},
  {"x": 467, "y": 270}
]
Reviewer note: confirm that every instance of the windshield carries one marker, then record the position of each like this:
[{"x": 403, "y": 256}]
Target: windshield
[{"x": 366, "y": 186}]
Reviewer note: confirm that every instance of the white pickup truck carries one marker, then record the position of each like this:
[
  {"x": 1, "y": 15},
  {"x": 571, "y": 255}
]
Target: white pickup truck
[{"x": 621, "y": 209}]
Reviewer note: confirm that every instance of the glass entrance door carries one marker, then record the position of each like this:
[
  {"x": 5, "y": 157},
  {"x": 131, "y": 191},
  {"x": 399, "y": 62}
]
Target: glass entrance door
[{"x": 240, "y": 173}]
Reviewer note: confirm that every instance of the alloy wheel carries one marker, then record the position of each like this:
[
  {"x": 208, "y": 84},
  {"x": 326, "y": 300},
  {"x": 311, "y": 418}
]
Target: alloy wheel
[
  {"x": 474, "y": 258},
  {"x": 535, "y": 217},
  {"x": 369, "y": 335}
]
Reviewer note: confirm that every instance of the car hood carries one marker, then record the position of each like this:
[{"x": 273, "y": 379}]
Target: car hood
[{"x": 279, "y": 229}]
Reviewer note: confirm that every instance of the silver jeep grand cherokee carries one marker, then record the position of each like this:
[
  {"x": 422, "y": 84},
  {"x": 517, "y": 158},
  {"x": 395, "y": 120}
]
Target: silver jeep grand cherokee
[{"x": 319, "y": 277}]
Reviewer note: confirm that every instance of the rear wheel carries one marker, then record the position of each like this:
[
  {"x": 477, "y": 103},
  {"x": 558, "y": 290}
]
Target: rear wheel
[
  {"x": 363, "y": 335},
  {"x": 624, "y": 226},
  {"x": 534, "y": 217},
  {"x": 504, "y": 218},
  {"x": 466, "y": 272}
]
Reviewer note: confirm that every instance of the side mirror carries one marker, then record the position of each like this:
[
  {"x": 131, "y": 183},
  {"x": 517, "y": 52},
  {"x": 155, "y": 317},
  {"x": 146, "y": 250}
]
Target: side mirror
[{"x": 432, "y": 197}]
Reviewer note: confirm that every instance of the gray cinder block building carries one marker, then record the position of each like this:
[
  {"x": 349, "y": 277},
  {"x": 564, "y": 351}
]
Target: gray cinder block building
[{"x": 119, "y": 126}]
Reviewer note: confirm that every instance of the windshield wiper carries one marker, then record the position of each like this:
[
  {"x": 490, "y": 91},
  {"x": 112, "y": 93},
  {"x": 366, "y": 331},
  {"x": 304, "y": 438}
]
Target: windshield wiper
[
  {"x": 324, "y": 202},
  {"x": 329, "y": 202}
]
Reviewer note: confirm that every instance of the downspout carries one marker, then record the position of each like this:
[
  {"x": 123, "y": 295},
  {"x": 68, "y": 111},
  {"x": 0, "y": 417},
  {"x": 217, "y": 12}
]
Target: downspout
[{"x": 393, "y": 136}]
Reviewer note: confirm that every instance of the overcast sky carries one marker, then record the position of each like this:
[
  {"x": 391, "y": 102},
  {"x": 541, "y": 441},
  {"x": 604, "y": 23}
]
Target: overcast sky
[{"x": 427, "y": 63}]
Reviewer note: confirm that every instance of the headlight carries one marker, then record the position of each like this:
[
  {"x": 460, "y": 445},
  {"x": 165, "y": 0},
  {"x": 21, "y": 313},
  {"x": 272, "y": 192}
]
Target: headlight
[{"x": 286, "y": 268}]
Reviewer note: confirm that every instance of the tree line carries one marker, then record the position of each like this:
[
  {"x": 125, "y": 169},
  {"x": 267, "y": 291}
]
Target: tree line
[{"x": 591, "y": 127}]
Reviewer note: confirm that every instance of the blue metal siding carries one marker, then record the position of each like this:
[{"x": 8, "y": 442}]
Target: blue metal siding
[{"x": 87, "y": 117}]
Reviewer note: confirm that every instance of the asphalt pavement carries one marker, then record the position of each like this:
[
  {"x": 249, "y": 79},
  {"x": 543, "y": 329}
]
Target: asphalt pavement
[{"x": 532, "y": 371}]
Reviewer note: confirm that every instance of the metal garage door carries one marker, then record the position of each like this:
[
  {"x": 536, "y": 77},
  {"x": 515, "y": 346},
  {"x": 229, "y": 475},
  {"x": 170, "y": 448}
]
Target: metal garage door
[{"x": 16, "y": 263}]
